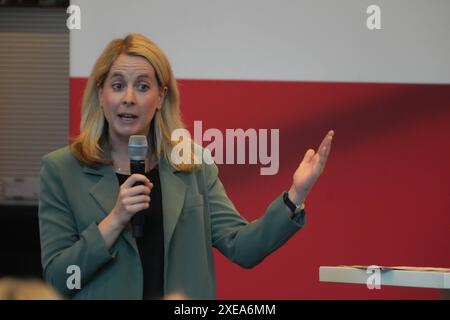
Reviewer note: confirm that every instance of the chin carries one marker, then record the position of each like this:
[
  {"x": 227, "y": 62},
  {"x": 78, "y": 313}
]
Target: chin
[
  {"x": 130, "y": 132},
  {"x": 127, "y": 130}
]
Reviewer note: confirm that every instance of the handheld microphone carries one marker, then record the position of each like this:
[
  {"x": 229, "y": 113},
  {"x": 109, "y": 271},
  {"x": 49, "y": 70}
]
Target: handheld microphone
[{"x": 137, "y": 148}]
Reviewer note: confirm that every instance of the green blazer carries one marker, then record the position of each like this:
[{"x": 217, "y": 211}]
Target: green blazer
[{"x": 198, "y": 215}]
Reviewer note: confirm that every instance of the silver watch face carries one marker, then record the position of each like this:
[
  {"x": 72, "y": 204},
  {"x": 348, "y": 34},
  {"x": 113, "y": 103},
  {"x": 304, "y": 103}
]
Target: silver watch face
[{"x": 299, "y": 209}]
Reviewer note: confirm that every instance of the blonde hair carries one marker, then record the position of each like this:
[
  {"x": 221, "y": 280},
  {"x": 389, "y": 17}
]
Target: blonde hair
[
  {"x": 92, "y": 145},
  {"x": 26, "y": 289}
]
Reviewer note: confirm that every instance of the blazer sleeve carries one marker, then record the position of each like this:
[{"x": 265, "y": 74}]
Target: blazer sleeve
[
  {"x": 247, "y": 243},
  {"x": 62, "y": 244}
]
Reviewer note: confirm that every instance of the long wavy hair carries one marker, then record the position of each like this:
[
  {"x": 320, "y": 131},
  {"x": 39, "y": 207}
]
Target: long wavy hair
[{"x": 92, "y": 145}]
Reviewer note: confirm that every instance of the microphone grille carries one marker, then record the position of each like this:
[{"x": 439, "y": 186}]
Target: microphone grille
[{"x": 137, "y": 147}]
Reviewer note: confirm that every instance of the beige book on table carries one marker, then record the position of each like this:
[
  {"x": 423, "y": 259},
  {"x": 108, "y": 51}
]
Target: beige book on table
[{"x": 404, "y": 268}]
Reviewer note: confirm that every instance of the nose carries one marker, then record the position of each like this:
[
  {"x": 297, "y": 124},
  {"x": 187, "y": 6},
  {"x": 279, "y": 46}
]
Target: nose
[{"x": 129, "y": 98}]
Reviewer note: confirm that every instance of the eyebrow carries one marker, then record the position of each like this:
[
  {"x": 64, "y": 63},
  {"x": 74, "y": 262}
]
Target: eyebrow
[{"x": 143, "y": 76}]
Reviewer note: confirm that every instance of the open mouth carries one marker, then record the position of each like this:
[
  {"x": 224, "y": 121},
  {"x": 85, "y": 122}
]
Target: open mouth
[{"x": 127, "y": 116}]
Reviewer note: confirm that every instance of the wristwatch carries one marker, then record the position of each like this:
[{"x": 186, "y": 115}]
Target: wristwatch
[{"x": 295, "y": 208}]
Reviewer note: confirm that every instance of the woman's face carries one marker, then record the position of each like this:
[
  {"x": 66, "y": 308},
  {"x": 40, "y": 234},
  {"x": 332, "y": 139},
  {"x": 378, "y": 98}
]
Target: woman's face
[{"x": 129, "y": 97}]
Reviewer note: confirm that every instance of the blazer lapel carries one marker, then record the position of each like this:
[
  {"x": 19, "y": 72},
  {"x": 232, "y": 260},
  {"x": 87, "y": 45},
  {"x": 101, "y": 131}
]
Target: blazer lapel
[
  {"x": 173, "y": 192},
  {"x": 105, "y": 192},
  {"x": 106, "y": 189}
]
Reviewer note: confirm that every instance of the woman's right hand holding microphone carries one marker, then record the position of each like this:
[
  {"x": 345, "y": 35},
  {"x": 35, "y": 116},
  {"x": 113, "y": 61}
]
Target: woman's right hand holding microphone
[{"x": 131, "y": 199}]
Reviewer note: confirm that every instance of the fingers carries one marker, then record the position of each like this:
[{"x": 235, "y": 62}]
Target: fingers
[
  {"x": 325, "y": 146},
  {"x": 137, "y": 207},
  {"x": 130, "y": 189},
  {"x": 322, "y": 154},
  {"x": 308, "y": 156},
  {"x": 136, "y": 200},
  {"x": 320, "y": 157},
  {"x": 134, "y": 196},
  {"x": 136, "y": 190},
  {"x": 134, "y": 178},
  {"x": 324, "y": 150}
]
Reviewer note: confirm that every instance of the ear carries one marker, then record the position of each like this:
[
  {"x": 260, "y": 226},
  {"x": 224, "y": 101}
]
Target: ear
[
  {"x": 100, "y": 95},
  {"x": 162, "y": 96}
]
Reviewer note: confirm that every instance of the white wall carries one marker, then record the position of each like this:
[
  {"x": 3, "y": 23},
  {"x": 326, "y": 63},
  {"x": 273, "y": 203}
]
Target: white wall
[{"x": 300, "y": 40}]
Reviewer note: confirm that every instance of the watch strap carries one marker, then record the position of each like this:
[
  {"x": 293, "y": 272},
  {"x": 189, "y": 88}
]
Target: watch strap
[{"x": 294, "y": 208}]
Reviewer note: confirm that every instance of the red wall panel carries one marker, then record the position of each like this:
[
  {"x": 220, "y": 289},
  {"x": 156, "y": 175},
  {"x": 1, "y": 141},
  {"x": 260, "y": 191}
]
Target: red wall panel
[{"x": 383, "y": 198}]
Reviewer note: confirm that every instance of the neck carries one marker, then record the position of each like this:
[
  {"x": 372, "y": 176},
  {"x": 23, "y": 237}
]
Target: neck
[
  {"x": 121, "y": 158},
  {"x": 119, "y": 144}
]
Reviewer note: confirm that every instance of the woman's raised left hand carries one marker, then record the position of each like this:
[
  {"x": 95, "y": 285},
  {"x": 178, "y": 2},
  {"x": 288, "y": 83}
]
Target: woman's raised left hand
[{"x": 309, "y": 170}]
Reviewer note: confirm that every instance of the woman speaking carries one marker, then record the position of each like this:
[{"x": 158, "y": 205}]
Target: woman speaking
[{"x": 88, "y": 197}]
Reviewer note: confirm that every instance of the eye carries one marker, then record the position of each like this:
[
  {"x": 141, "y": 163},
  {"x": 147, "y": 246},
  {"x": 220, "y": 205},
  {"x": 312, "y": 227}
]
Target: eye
[
  {"x": 117, "y": 86},
  {"x": 143, "y": 87}
]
